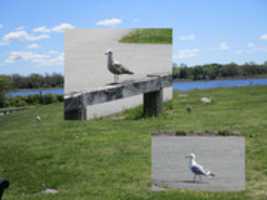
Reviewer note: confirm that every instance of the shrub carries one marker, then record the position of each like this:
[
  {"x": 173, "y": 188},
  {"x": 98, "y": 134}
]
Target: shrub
[
  {"x": 32, "y": 100},
  {"x": 49, "y": 98}
]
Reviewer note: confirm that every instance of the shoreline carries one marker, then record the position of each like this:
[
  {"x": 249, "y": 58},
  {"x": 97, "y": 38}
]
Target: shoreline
[{"x": 221, "y": 79}]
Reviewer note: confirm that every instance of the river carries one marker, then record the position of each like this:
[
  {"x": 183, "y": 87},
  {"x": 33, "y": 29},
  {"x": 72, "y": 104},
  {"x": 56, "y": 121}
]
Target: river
[{"x": 177, "y": 85}]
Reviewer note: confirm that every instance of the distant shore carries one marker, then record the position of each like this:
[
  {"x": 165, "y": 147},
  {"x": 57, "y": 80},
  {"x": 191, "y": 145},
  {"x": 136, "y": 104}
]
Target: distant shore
[{"x": 220, "y": 79}]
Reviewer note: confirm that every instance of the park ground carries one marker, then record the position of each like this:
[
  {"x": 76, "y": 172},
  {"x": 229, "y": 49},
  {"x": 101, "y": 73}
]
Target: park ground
[{"x": 110, "y": 158}]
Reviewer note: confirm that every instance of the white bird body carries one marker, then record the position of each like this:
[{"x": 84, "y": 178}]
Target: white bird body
[
  {"x": 115, "y": 67},
  {"x": 197, "y": 169}
]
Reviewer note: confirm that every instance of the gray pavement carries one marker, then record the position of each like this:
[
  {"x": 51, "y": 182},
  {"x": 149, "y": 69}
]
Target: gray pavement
[{"x": 225, "y": 156}]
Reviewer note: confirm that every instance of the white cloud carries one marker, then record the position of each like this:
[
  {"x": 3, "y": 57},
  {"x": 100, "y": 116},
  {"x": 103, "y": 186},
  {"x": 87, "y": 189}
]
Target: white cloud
[
  {"x": 41, "y": 29},
  {"x": 109, "y": 22},
  {"x": 62, "y": 27},
  {"x": 23, "y": 36},
  {"x": 263, "y": 37},
  {"x": 224, "y": 46},
  {"x": 53, "y": 52},
  {"x": 1, "y": 26},
  {"x": 251, "y": 45},
  {"x": 58, "y": 28},
  {"x": 186, "y": 53},
  {"x": 36, "y": 58},
  {"x": 33, "y": 46},
  {"x": 189, "y": 37}
]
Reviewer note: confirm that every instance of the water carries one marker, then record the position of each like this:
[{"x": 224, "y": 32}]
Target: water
[
  {"x": 28, "y": 92},
  {"x": 187, "y": 86},
  {"x": 180, "y": 86}
]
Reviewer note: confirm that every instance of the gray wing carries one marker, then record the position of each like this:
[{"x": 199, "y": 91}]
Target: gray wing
[
  {"x": 198, "y": 169},
  {"x": 120, "y": 69}
]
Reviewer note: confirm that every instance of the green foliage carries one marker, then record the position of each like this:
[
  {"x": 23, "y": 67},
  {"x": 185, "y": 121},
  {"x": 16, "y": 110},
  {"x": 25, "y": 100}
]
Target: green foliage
[
  {"x": 149, "y": 35},
  {"x": 33, "y": 100},
  {"x": 49, "y": 98},
  {"x": 219, "y": 71},
  {"x": 5, "y": 84},
  {"x": 37, "y": 81}
]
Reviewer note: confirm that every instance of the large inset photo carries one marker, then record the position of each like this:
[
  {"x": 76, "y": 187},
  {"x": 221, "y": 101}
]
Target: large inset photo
[{"x": 110, "y": 70}]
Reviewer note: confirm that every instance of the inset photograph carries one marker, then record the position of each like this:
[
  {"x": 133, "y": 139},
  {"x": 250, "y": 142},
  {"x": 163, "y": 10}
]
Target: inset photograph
[
  {"x": 110, "y": 70},
  {"x": 204, "y": 163}
]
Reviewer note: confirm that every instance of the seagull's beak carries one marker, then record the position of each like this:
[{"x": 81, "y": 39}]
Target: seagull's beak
[
  {"x": 106, "y": 53},
  {"x": 187, "y": 156}
]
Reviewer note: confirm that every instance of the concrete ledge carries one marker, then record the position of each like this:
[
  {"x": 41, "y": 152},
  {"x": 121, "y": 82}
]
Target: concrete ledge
[{"x": 75, "y": 103}]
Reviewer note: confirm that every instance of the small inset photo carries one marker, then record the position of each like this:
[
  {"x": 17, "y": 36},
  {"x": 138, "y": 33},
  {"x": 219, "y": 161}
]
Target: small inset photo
[{"x": 201, "y": 163}]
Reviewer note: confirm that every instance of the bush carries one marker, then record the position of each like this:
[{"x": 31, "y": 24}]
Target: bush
[
  {"x": 16, "y": 101},
  {"x": 60, "y": 98},
  {"x": 49, "y": 98},
  {"x": 32, "y": 100}
]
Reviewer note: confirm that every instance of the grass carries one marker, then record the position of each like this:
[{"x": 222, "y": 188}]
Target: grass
[
  {"x": 149, "y": 35},
  {"x": 110, "y": 158}
]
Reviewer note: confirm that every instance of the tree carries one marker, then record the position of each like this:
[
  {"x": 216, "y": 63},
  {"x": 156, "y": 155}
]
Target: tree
[{"x": 5, "y": 84}]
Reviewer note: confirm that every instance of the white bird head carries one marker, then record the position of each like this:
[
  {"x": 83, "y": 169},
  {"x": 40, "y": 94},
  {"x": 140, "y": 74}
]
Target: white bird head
[
  {"x": 191, "y": 156},
  {"x": 108, "y": 52}
]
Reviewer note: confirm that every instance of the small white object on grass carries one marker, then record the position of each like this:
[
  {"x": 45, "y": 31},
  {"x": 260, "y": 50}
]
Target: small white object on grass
[
  {"x": 38, "y": 118},
  {"x": 205, "y": 100},
  {"x": 196, "y": 168},
  {"x": 50, "y": 191}
]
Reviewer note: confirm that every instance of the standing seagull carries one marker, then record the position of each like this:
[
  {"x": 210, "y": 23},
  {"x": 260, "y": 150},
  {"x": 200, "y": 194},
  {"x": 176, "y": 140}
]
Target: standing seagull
[
  {"x": 115, "y": 67},
  {"x": 197, "y": 169}
]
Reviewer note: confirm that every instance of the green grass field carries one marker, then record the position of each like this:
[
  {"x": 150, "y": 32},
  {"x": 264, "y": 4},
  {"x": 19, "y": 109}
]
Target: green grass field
[
  {"x": 149, "y": 35},
  {"x": 110, "y": 158}
]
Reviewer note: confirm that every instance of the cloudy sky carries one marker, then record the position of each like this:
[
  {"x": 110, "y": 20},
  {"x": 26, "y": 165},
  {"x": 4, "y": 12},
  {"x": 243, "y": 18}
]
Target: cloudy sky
[{"x": 32, "y": 32}]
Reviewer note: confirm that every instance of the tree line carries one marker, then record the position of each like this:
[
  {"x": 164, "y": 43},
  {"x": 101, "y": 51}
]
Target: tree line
[
  {"x": 17, "y": 81},
  {"x": 219, "y": 71}
]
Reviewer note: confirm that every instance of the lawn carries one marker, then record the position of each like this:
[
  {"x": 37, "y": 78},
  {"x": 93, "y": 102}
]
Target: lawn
[
  {"x": 149, "y": 35},
  {"x": 110, "y": 158}
]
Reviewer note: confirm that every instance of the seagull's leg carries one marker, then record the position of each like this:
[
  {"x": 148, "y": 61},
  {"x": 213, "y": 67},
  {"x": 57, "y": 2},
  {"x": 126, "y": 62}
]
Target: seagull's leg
[
  {"x": 200, "y": 178},
  {"x": 194, "y": 178},
  {"x": 117, "y": 78},
  {"x": 114, "y": 78}
]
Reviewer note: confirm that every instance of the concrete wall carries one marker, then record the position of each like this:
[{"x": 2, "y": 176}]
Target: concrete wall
[{"x": 86, "y": 64}]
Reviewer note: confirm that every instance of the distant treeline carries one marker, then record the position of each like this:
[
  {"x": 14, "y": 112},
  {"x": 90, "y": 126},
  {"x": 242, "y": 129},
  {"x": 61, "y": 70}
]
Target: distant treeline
[
  {"x": 219, "y": 71},
  {"x": 18, "y": 81}
]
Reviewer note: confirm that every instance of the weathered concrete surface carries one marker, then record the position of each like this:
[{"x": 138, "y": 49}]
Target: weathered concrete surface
[
  {"x": 122, "y": 90},
  {"x": 225, "y": 156},
  {"x": 76, "y": 103},
  {"x": 86, "y": 65}
]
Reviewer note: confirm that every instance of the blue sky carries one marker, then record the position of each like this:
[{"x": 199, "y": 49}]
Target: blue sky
[{"x": 32, "y": 32}]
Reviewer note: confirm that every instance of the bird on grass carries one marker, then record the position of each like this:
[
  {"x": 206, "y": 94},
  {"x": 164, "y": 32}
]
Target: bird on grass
[
  {"x": 115, "y": 67},
  {"x": 197, "y": 169}
]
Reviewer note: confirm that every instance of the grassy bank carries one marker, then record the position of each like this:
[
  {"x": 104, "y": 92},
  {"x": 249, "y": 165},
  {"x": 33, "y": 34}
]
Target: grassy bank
[
  {"x": 110, "y": 158},
  {"x": 149, "y": 35}
]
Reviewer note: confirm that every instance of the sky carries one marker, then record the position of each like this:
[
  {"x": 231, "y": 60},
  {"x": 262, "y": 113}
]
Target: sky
[{"x": 206, "y": 31}]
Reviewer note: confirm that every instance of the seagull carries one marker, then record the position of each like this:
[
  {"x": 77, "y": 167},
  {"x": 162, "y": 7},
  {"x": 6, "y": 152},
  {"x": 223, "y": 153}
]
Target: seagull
[
  {"x": 197, "y": 169},
  {"x": 115, "y": 67}
]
